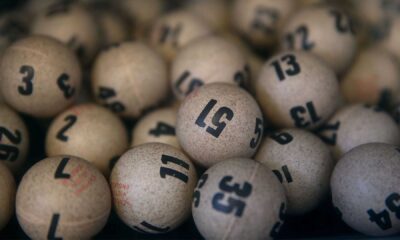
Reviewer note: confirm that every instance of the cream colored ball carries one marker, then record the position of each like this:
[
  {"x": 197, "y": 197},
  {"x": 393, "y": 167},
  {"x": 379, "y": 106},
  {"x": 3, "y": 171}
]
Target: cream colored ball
[
  {"x": 40, "y": 76},
  {"x": 373, "y": 78},
  {"x": 296, "y": 89},
  {"x": 239, "y": 199},
  {"x": 324, "y": 31},
  {"x": 260, "y": 21},
  {"x": 88, "y": 131},
  {"x": 357, "y": 124},
  {"x": 152, "y": 187},
  {"x": 365, "y": 189},
  {"x": 156, "y": 126},
  {"x": 63, "y": 197},
  {"x": 129, "y": 78},
  {"x": 175, "y": 30},
  {"x": 219, "y": 121},
  {"x": 7, "y": 195},
  {"x": 207, "y": 60},
  {"x": 72, "y": 24},
  {"x": 302, "y": 163},
  {"x": 215, "y": 12}
]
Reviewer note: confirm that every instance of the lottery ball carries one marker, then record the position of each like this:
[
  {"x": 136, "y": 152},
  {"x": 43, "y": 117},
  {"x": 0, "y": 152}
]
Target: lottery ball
[
  {"x": 260, "y": 21},
  {"x": 392, "y": 37},
  {"x": 324, "y": 31},
  {"x": 296, "y": 89},
  {"x": 217, "y": 122},
  {"x": 14, "y": 139},
  {"x": 129, "y": 78},
  {"x": 152, "y": 187},
  {"x": 63, "y": 197},
  {"x": 113, "y": 28},
  {"x": 7, "y": 195},
  {"x": 372, "y": 79},
  {"x": 40, "y": 76},
  {"x": 175, "y": 30},
  {"x": 156, "y": 126},
  {"x": 88, "y": 131},
  {"x": 365, "y": 189},
  {"x": 239, "y": 199},
  {"x": 79, "y": 30},
  {"x": 302, "y": 163},
  {"x": 141, "y": 14},
  {"x": 214, "y": 12},
  {"x": 194, "y": 63},
  {"x": 357, "y": 124}
]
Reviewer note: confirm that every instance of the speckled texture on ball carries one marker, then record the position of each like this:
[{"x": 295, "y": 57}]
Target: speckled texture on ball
[
  {"x": 260, "y": 21},
  {"x": 129, "y": 78},
  {"x": 88, "y": 131},
  {"x": 175, "y": 30},
  {"x": 63, "y": 197},
  {"x": 79, "y": 30},
  {"x": 219, "y": 121},
  {"x": 373, "y": 78},
  {"x": 7, "y": 195},
  {"x": 296, "y": 89},
  {"x": 40, "y": 76},
  {"x": 303, "y": 163},
  {"x": 152, "y": 187},
  {"x": 239, "y": 199},
  {"x": 365, "y": 189},
  {"x": 157, "y": 126},
  {"x": 357, "y": 124},
  {"x": 14, "y": 139},
  {"x": 200, "y": 63},
  {"x": 324, "y": 31}
]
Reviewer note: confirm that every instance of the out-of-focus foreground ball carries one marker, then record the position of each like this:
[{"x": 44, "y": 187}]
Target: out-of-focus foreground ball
[
  {"x": 366, "y": 189},
  {"x": 63, "y": 197}
]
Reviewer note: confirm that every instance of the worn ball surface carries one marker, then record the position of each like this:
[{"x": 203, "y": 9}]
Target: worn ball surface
[
  {"x": 152, "y": 187},
  {"x": 217, "y": 122},
  {"x": 239, "y": 199}
]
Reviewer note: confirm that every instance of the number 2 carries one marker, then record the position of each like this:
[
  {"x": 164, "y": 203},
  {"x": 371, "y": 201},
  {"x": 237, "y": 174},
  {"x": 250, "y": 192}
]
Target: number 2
[{"x": 71, "y": 120}]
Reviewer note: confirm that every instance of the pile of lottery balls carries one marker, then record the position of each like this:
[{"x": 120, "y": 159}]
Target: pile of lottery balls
[{"x": 236, "y": 114}]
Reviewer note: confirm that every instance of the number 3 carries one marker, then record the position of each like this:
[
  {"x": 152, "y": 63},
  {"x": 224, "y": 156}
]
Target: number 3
[{"x": 29, "y": 72}]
